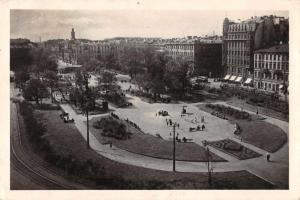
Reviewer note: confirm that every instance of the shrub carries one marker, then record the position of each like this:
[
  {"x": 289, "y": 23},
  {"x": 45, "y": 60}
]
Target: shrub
[
  {"x": 237, "y": 114},
  {"x": 112, "y": 128},
  {"x": 88, "y": 169}
]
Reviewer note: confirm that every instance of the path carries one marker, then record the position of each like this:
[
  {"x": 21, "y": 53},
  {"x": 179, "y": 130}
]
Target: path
[{"x": 275, "y": 172}]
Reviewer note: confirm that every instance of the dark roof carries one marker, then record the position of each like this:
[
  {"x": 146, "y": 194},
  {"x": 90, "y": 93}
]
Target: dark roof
[{"x": 283, "y": 48}]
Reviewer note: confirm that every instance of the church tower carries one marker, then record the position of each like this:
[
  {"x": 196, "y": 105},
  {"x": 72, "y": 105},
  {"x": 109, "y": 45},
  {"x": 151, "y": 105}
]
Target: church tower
[{"x": 72, "y": 34}]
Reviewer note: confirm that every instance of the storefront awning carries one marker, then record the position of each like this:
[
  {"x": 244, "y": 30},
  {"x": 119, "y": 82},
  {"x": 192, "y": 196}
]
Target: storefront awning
[
  {"x": 248, "y": 81},
  {"x": 227, "y": 77},
  {"x": 239, "y": 79},
  {"x": 232, "y": 78}
]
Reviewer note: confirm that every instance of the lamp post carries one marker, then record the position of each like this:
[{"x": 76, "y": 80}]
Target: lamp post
[
  {"x": 87, "y": 109},
  {"x": 174, "y": 146},
  {"x": 209, "y": 167}
]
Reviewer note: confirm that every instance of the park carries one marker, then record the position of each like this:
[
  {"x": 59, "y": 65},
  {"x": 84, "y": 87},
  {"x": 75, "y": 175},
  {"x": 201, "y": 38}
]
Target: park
[{"x": 101, "y": 125}]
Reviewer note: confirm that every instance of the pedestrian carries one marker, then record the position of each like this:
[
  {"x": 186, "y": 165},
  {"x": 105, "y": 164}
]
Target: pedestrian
[
  {"x": 257, "y": 111},
  {"x": 268, "y": 157},
  {"x": 167, "y": 123},
  {"x": 203, "y": 127}
]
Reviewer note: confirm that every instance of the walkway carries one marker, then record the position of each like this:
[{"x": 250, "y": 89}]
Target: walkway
[{"x": 275, "y": 172}]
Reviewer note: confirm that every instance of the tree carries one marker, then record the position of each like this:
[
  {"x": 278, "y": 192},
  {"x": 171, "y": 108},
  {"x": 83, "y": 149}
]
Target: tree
[
  {"x": 83, "y": 93},
  {"x": 21, "y": 57},
  {"x": 176, "y": 75},
  {"x": 42, "y": 61},
  {"x": 107, "y": 78},
  {"x": 132, "y": 59},
  {"x": 21, "y": 77},
  {"x": 35, "y": 90},
  {"x": 89, "y": 63},
  {"x": 51, "y": 81}
]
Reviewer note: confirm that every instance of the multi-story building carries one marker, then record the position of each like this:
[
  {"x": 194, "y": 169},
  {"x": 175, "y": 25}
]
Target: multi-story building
[
  {"x": 241, "y": 39},
  {"x": 70, "y": 51},
  {"x": 181, "y": 48},
  {"x": 208, "y": 59},
  {"x": 205, "y": 54},
  {"x": 271, "y": 68}
]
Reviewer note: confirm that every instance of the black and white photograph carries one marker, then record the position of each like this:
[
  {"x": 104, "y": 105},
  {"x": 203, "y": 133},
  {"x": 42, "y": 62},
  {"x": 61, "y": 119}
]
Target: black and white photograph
[{"x": 145, "y": 99}]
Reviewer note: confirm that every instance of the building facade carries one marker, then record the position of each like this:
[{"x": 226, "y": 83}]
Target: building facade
[
  {"x": 241, "y": 39},
  {"x": 70, "y": 51},
  {"x": 271, "y": 68},
  {"x": 208, "y": 59},
  {"x": 205, "y": 54}
]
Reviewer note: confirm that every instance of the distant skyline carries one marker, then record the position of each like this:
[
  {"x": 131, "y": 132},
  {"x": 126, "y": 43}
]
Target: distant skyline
[{"x": 101, "y": 24}]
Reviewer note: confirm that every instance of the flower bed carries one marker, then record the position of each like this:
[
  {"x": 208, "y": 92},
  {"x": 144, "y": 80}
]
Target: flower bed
[
  {"x": 233, "y": 148},
  {"x": 226, "y": 110}
]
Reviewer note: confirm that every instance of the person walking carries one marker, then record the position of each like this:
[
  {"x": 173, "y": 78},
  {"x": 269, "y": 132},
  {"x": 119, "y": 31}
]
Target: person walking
[
  {"x": 203, "y": 127},
  {"x": 268, "y": 157}
]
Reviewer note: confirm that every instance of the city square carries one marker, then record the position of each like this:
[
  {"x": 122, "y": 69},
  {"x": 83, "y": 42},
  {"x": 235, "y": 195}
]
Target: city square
[{"x": 194, "y": 112}]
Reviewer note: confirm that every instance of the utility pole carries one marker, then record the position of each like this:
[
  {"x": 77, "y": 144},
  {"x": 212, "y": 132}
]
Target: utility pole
[
  {"x": 174, "y": 147},
  {"x": 209, "y": 167},
  {"x": 87, "y": 109}
]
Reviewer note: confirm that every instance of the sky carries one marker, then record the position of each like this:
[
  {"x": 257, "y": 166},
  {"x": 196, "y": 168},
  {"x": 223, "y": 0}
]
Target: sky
[{"x": 101, "y": 24}]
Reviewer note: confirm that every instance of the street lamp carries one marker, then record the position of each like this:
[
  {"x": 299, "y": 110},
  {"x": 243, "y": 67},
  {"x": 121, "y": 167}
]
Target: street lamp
[
  {"x": 86, "y": 80},
  {"x": 209, "y": 167},
  {"x": 174, "y": 145}
]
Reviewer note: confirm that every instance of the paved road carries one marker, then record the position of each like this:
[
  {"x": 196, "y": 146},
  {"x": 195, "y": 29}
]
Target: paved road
[{"x": 275, "y": 172}]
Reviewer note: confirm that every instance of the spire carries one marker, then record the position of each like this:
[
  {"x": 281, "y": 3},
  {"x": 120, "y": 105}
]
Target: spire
[{"x": 73, "y": 34}]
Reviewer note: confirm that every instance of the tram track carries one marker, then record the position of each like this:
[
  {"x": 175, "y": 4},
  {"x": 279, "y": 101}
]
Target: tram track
[{"x": 32, "y": 167}]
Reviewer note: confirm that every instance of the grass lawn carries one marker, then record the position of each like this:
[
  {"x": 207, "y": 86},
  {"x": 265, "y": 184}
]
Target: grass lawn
[
  {"x": 263, "y": 135},
  {"x": 149, "y": 145},
  {"x": 258, "y": 132},
  {"x": 67, "y": 138},
  {"x": 235, "y": 149},
  {"x": 262, "y": 110}
]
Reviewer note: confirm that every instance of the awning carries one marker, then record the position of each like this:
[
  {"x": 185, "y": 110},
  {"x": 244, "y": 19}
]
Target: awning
[
  {"x": 232, "y": 78},
  {"x": 227, "y": 77},
  {"x": 248, "y": 81},
  {"x": 238, "y": 79}
]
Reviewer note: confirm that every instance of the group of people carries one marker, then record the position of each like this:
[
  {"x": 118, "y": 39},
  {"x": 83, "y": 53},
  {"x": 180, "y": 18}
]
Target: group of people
[
  {"x": 133, "y": 124},
  {"x": 171, "y": 123},
  {"x": 198, "y": 128}
]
